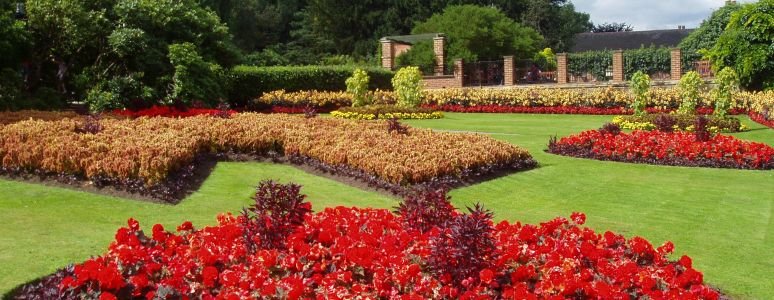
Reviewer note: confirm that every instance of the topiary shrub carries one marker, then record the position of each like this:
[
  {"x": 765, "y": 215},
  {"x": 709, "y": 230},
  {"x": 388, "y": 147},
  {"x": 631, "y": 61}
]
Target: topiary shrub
[
  {"x": 357, "y": 85},
  {"x": 690, "y": 86},
  {"x": 640, "y": 86},
  {"x": 727, "y": 83},
  {"x": 407, "y": 85}
]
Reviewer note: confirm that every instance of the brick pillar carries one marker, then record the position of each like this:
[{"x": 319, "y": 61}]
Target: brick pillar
[
  {"x": 388, "y": 51},
  {"x": 618, "y": 66},
  {"x": 439, "y": 48},
  {"x": 561, "y": 68},
  {"x": 459, "y": 72},
  {"x": 677, "y": 64},
  {"x": 509, "y": 71}
]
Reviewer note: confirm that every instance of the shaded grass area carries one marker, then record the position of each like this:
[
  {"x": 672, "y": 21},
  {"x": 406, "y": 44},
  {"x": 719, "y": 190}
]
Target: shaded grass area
[{"x": 722, "y": 218}]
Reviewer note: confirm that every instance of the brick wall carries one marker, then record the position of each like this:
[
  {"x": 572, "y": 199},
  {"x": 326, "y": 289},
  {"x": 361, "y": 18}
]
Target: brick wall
[
  {"x": 618, "y": 66},
  {"x": 561, "y": 68},
  {"x": 677, "y": 64},
  {"x": 445, "y": 81},
  {"x": 509, "y": 71},
  {"x": 388, "y": 60},
  {"x": 439, "y": 48}
]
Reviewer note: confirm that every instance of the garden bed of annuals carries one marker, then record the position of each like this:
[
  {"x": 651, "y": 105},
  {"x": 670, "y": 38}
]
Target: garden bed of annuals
[
  {"x": 170, "y": 112},
  {"x": 684, "y": 122},
  {"x": 10, "y": 117},
  {"x": 377, "y": 112},
  {"x": 279, "y": 249},
  {"x": 666, "y": 148},
  {"x": 142, "y": 155},
  {"x": 761, "y": 119}
]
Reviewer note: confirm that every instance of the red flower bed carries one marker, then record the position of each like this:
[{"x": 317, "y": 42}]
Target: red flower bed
[
  {"x": 761, "y": 119},
  {"x": 576, "y": 110},
  {"x": 168, "y": 111},
  {"x": 666, "y": 148},
  {"x": 279, "y": 249}
]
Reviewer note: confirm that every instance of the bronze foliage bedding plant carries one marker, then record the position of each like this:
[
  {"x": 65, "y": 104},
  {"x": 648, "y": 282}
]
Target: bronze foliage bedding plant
[{"x": 148, "y": 152}]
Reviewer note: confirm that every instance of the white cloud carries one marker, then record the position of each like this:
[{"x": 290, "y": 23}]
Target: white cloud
[{"x": 650, "y": 14}]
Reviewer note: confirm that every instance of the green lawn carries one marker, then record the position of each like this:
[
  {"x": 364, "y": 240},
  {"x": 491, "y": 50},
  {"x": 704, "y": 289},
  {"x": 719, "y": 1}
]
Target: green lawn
[{"x": 721, "y": 218}]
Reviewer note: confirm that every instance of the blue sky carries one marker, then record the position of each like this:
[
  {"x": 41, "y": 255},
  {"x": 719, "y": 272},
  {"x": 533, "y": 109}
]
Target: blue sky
[{"x": 650, "y": 14}]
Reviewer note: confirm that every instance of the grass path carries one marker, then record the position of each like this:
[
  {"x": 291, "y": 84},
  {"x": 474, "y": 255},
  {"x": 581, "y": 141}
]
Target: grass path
[{"x": 722, "y": 218}]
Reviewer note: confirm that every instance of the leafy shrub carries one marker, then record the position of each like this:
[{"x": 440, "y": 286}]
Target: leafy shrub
[
  {"x": 357, "y": 85},
  {"x": 545, "y": 60},
  {"x": 649, "y": 60},
  {"x": 249, "y": 82},
  {"x": 610, "y": 128},
  {"x": 426, "y": 209},
  {"x": 665, "y": 122},
  {"x": 119, "y": 92},
  {"x": 464, "y": 248},
  {"x": 700, "y": 129},
  {"x": 726, "y": 84},
  {"x": 690, "y": 86},
  {"x": 194, "y": 78},
  {"x": 407, "y": 84},
  {"x": 595, "y": 63},
  {"x": 420, "y": 55},
  {"x": 278, "y": 210},
  {"x": 640, "y": 86}
]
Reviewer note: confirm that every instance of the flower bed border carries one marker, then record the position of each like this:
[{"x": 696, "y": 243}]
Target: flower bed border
[
  {"x": 186, "y": 180},
  {"x": 586, "y": 152}
]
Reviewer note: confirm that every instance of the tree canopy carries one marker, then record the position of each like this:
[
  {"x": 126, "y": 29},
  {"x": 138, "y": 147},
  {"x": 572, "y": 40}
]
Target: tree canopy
[
  {"x": 709, "y": 31},
  {"x": 486, "y": 33},
  {"x": 611, "y": 27},
  {"x": 747, "y": 45}
]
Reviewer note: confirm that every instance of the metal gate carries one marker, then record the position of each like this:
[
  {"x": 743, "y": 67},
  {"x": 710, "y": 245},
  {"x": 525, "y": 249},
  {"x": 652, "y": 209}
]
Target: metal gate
[{"x": 483, "y": 73}]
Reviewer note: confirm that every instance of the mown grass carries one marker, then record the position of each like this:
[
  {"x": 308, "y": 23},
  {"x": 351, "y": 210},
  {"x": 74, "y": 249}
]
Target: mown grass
[{"x": 722, "y": 218}]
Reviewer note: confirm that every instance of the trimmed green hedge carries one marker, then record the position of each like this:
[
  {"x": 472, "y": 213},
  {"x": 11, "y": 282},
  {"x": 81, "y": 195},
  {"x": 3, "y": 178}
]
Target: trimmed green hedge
[{"x": 249, "y": 82}]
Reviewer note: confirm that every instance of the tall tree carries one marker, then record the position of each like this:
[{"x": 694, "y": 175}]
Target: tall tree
[
  {"x": 709, "y": 31},
  {"x": 112, "y": 52},
  {"x": 747, "y": 45},
  {"x": 486, "y": 33},
  {"x": 612, "y": 27}
]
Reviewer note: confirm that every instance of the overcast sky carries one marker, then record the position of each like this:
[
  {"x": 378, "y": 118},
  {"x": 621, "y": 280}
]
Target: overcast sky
[{"x": 650, "y": 14}]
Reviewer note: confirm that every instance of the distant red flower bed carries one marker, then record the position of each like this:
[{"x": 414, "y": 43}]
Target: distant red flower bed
[
  {"x": 579, "y": 110},
  {"x": 427, "y": 250},
  {"x": 666, "y": 148},
  {"x": 168, "y": 111},
  {"x": 761, "y": 119}
]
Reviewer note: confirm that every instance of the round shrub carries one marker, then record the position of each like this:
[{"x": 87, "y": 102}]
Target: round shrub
[{"x": 407, "y": 85}]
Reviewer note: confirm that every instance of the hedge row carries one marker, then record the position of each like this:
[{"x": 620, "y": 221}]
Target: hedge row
[{"x": 248, "y": 82}]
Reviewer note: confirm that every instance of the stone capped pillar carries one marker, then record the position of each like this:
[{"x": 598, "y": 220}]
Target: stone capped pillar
[
  {"x": 439, "y": 49},
  {"x": 509, "y": 71},
  {"x": 561, "y": 68},
  {"x": 677, "y": 64},
  {"x": 618, "y": 66},
  {"x": 459, "y": 72},
  {"x": 388, "y": 53}
]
